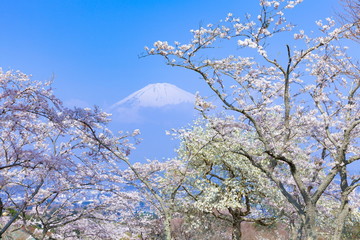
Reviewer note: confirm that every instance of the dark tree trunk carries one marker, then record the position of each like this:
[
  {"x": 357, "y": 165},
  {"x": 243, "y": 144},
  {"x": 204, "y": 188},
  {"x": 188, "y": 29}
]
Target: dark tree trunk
[{"x": 236, "y": 231}]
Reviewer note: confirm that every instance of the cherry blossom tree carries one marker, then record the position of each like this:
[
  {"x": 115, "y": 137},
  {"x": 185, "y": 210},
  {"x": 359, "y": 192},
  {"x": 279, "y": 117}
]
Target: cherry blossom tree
[
  {"x": 178, "y": 217},
  {"x": 160, "y": 185},
  {"x": 303, "y": 108},
  {"x": 221, "y": 184},
  {"x": 55, "y": 164}
]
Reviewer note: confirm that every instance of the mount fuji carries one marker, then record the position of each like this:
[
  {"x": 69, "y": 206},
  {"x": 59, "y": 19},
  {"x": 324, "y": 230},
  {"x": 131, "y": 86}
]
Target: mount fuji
[
  {"x": 157, "y": 102},
  {"x": 156, "y": 95},
  {"x": 154, "y": 109}
]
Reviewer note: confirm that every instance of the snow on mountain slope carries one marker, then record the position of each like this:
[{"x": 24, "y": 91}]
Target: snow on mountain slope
[{"x": 156, "y": 95}]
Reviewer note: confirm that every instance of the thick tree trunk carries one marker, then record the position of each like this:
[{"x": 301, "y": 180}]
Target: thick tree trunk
[
  {"x": 310, "y": 223},
  {"x": 344, "y": 207},
  {"x": 167, "y": 226},
  {"x": 340, "y": 219},
  {"x": 296, "y": 233},
  {"x": 236, "y": 232}
]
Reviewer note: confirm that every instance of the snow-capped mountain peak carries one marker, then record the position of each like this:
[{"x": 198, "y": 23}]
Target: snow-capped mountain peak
[{"x": 156, "y": 95}]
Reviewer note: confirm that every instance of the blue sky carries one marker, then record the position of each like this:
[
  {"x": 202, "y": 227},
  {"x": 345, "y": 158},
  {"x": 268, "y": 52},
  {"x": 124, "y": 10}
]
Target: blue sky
[{"x": 91, "y": 47}]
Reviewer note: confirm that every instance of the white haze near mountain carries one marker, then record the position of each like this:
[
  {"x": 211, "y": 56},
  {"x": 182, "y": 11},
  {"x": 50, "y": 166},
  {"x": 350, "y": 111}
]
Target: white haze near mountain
[{"x": 154, "y": 109}]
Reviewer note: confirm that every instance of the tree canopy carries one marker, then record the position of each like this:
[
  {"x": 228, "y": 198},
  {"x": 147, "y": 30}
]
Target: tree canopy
[{"x": 302, "y": 108}]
